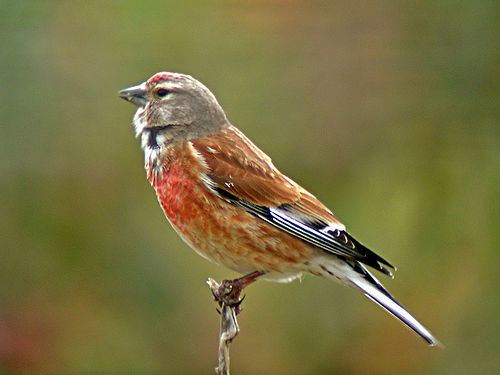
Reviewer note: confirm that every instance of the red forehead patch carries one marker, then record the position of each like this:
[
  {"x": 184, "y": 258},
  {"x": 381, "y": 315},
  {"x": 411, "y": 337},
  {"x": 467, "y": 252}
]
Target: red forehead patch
[{"x": 158, "y": 77}]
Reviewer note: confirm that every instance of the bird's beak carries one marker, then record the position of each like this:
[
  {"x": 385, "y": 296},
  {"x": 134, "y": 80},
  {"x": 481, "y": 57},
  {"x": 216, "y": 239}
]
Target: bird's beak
[{"x": 135, "y": 95}]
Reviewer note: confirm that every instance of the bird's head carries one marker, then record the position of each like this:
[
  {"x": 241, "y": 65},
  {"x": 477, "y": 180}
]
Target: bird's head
[{"x": 176, "y": 105}]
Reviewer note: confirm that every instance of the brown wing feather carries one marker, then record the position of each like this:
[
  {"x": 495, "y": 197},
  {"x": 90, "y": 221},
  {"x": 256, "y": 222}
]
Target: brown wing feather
[
  {"x": 242, "y": 169},
  {"x": 238, "y": 167}
]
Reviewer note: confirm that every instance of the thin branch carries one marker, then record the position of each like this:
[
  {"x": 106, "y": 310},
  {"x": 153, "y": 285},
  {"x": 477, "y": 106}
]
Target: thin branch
[
  {"x": 229, "y": 328},
  {"x": 227, "y": 294}
]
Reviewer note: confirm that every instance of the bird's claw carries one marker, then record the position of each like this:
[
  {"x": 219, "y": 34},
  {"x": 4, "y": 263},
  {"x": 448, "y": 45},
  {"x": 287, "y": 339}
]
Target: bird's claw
[
  {"x": 237, "y": 306},
  {"x": 228, "y": 292}
]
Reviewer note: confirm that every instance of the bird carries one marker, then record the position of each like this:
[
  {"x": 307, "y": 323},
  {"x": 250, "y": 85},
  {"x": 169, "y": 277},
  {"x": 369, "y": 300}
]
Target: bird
[{"x": 228, "y": 201}]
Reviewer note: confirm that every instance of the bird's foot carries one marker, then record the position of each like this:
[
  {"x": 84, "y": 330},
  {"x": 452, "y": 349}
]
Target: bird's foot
[{"x": 228, "y": 292}]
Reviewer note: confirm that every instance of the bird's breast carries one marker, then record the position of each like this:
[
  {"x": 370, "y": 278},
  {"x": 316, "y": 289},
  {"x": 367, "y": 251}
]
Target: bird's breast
[
  {"x": 176, "y": 178},
  {"x": 216, "y": 229}
]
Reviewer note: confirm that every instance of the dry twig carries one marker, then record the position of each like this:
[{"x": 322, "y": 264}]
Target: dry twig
[{"x": 227, "y": 294}]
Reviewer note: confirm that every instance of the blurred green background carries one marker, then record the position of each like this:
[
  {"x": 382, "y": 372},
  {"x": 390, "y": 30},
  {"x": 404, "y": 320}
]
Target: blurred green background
[{"x": 388, "y": 111}]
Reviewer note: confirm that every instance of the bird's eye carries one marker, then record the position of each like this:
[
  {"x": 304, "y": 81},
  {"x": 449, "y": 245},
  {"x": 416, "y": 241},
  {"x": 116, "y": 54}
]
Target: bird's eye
[{"x": 161, "y": 93}]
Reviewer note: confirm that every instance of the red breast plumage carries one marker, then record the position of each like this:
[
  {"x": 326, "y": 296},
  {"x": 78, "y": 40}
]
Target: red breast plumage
[{"x": 216, "y": 229}]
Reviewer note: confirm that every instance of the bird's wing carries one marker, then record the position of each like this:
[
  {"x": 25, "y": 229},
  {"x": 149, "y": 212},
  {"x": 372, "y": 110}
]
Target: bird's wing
[{"x": 239, "y": 172}]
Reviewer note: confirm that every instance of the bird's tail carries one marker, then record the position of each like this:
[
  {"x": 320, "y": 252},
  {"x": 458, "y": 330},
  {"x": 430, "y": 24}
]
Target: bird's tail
[{"x": 358, "y": 276}]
